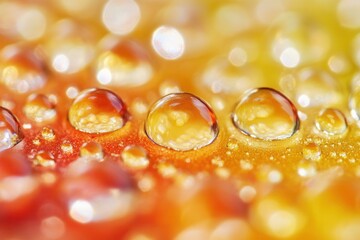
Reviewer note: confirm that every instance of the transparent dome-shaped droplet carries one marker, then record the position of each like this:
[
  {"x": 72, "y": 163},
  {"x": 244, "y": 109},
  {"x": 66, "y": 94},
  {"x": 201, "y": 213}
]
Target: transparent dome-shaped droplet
[
  {"x": 135, "y": 157},
  {"x": 182, "y": 122},
  {"x": 48, "y": 134},
  {"x": 39, "y": 108},
  {"x": 10, "y": 132},
  {"x": 266, "y": 114},
  {"x": 92, "y": 150},
  {"x": 45, "y": 159},
  {"x": 224, "y": 76},
  {"x": 126, "y": 64},
  {"x": 168, "y": 43},
  {"x": 66, "y": 147},
  {"x": 296, "y": 40},
  {"x": 312, "y": 151},
  {"x": 311, "y": 88},
  {"x": 331, "y": 122},
  {"x": 21, "y": 70},
  {"x": 97, "y": 111}
]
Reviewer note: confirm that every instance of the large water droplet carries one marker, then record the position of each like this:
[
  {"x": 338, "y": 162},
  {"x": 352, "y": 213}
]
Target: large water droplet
[
  {"x": 182, "y": 122},
  {"x": 126, "y": 64},
  {"x": 21, "y": 70},
  {"x": 266, "y": 114},
  {"x": 331, "y": 122},
  {"x": 10, "y": 132},
  {"x": 97, "y": 111},
  {"x": 39, "y": 108}
]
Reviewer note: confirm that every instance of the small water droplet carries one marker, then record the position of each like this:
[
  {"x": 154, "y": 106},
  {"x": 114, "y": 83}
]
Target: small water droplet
[
  {"x": 182, "y": 122},
  {"x": 39, "y": 108},
  {"x": 331, "y": 122},
  {"x": 21, "y": 70},
  {"x": 10, "y": 131},
  {"x": 45, "y": 159},
  {"x": 166, "y": 170},
  {"x": 217, "y": 161},
  {"x": 66, "y": 147},
  {"x": 97, "y": 111},
  {"x": 92, "y": 150},
  {"x": 126, "y": 64},
  {"x": 135, "y": 157},
  {"x": 311, "y": 151},
  {"x": 48, "y": 134},
  {"x": 266, "y": 114}
]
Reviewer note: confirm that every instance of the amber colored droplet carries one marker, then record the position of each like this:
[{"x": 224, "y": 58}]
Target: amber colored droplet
[
  {"x": 48, "y": 134},
  {"x": 97, "y": 111},
  {"x": 312, "y": 151},
  {"x": 331, "y": 122},
  {"x": 45, "y": 159},
  {"x": 66, "y": 147},
  {"x": 125, "y": 65},
  {"x": 92, "y": 150},
  {"x": 39, "y": 108},
  {"x": 266, "y": 114},
  {"x": 135, "y": 157},
  {"x": 10, "y": 131},
  {"x": 21, "y": 70},
  {"x": 182, "y": 122}
]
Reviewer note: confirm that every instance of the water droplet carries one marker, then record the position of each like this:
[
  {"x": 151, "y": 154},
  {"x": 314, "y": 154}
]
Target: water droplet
[
  {"x": 92, "y": 150},
  {"x": 168, "y": 43},
  {"x": 45, "y": 159},
  {"x": 331, "y": 122},
  {"x": 312, "y": 151},
  {"x": 10, "y": 132},
  {"x": 266, "y": 114},
  {"x": 182, "y": 122},
  {"x": 126, "y": 64},
  {"x": 39, "y": 108},
  {"x": 347, "y": 11},
  {"x": 21, "y": 70},
  {"x": 48, "y": 134},
  {"x": 306, "y": 169},
  {"x": 167, "y": 170},
  {"x": 66, "y": 147},
  {"x": 312, "y": 88},
  {"x": 97, "y": 111},
  {"x": 135, "y": 157}
]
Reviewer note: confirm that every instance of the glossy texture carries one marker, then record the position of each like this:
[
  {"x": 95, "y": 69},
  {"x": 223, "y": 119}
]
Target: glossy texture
[
  {"x": 266, "y": 114},
  {"x": 97, "y": 111},
  {"x": 182, "y": 122}
]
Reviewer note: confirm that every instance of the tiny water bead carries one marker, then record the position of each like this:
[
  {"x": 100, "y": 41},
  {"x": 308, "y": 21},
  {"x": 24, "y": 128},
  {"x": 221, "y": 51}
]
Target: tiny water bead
[
  {"x": 39, "y": 108},
  {"x": 168, "y": 43},
  {"x": 312, "y": 151},
  {"x": 97, "y": 111},
  {"x": 266, "y": 114},
  {"x": 45, "y": 159},
  {"x": 331, "y": 122},
  {"x": 135, "y": 157},
  {"x": 182, "y": 122},
  {"x": 92, "y": 150},
  {"x": 21, "y": 69},
  {"x": 126, "y": 64}
]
